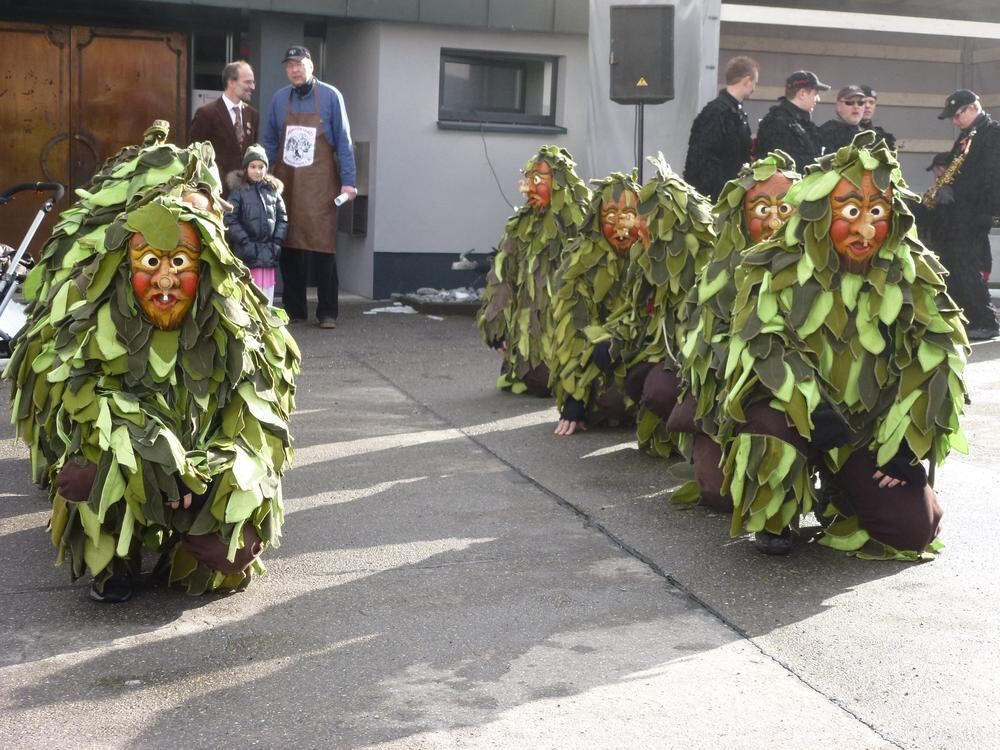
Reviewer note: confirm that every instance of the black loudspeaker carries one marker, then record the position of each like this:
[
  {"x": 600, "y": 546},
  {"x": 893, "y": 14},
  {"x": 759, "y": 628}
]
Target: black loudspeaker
[{"x": 642, "y": 54}]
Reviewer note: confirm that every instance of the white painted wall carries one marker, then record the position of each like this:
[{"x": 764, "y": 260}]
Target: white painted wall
[{"x": 436, "y": 192}]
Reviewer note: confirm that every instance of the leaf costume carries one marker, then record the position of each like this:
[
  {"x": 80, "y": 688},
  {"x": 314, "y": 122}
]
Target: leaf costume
[
  {"x": 588, "y": 287},
  {"x": 515, "y": 310},
  {"x": 883, "y": 349},
  {"x": 202, "y": 409},
  {"x": 648, "y": 326},
  {"x": 709, "y": 303}
]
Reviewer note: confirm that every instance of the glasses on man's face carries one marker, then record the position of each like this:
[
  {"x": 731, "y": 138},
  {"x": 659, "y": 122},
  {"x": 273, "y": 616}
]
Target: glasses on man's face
[
  {"x": 960, "y": 111},
  {"x": 854, "y": 102}
]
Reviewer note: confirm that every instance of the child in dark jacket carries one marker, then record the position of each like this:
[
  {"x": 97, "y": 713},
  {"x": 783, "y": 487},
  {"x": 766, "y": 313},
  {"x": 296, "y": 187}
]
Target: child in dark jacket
[{"x": 258, "y": 223}]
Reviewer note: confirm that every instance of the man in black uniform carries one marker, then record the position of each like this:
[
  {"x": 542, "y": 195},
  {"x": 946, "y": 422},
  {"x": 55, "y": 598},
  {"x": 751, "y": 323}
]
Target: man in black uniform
[
  {"x": 960, "y": 206},
  {"x": 788, "y": 124},
  {"x": 840, "y": 130},
  {"x": 720, "y": 139},
  {"x": 871, "y": 102}
]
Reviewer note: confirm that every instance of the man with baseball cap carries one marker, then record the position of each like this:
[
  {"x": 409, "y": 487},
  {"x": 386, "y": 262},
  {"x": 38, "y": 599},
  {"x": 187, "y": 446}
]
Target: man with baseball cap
[
  {"x": 840, "y": 130},
  {"x": 307, "y": 137},
  {"x": 960, "y": 206},
  {"x": 788, "y": 124}
]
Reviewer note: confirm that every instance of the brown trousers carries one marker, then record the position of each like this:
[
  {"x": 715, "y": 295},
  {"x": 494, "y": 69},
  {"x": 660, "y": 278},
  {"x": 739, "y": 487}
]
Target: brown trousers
[
  {"x": 905, "y": 517},
  {"x": 212, "y": 551},
  {"x": 653, "y": 386}
]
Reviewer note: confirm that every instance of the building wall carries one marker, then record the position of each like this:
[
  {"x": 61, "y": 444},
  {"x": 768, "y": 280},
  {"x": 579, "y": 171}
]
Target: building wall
[{"x": 437, "y": 193}]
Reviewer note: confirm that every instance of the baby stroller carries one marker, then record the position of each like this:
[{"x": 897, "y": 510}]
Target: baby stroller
[{"x": 15, "y": 264}]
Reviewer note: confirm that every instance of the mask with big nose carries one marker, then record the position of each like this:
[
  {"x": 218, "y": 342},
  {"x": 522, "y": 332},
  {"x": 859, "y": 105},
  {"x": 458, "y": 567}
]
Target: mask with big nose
[
  {"x": 621, "y": 223},
  {"x": 166, "y": 281},
  {"x": 860, "y": 222},
  {"x": 764, "y": 207},
  {"x": 536, "y": 186}
]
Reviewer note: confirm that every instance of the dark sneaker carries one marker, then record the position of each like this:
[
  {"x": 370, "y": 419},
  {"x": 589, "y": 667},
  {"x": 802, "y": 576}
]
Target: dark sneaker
[
  {"x": 327, "y": 323},
  {"x": 116, "y": 590},
  {"x": 773, "y": 544}
]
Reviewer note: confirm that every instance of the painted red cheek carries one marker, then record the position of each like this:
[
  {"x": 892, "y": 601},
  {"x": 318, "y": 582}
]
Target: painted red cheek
[
  {"x": 756, "y": 229},
  {"x": 140, "y": 283},
  {"x": 840, "y": 230},
  {"x": 189, "y": 284},
  {"x": 881, "y": 230}
]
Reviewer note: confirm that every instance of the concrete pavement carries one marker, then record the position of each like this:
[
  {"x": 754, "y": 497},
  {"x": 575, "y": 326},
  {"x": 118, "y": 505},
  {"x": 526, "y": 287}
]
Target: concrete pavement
[{"x": 453, "y": 575}]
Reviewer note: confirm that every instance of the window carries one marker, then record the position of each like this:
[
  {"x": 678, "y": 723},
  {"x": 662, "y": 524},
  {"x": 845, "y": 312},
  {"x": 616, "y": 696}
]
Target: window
[{"x": 497, "y": 89}]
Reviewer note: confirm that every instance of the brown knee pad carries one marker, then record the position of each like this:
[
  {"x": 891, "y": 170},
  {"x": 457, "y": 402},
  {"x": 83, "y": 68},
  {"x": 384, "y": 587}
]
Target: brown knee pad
[
  {"x": 537, "y": 381},
  {"x": 634, "y": 379},
  {"x": 211, "y": 550},
  {"x": 660, "y": 390},
  {"x": 682, "y": 417},
  {"x": 763, "y": 419},
  {"x": 707, "y": 456},
  {"x": 906, "y": 518},
  {"x": 609, "y": 408}
]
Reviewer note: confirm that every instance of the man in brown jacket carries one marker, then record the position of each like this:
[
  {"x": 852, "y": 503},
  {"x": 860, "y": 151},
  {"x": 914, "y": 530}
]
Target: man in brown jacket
[{"x": 230, "y": 123}]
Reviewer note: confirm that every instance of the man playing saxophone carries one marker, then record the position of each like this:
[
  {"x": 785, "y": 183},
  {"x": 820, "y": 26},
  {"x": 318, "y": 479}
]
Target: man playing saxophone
[{"x": 959, "y": 207}]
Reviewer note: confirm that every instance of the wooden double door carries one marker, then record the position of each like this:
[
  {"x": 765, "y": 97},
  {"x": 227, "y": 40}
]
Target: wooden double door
[{"x": 71, "y": 96}]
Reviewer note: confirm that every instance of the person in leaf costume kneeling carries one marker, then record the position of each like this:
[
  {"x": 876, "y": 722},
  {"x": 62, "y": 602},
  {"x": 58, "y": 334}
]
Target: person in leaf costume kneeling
[
  {"x": 514, "y": 317},
  {"x": 751, "y": 209},
  {"x": 588, "y": 288},
  {"x": 645, "y": 333},
  {"x": 153, "y": 383},
  {"x": 846, "y": 355}
]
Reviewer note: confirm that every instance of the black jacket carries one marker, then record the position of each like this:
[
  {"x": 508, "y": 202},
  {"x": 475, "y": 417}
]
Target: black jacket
[
  {"x": 977, "y": 184},
  {"x": 791, "y": 129},
  {"x": 881, "y": 134},
  {"x": 719, "y": 145},
  {"x": 836, "y": 133},
  {"x": 258, "y": 223}
]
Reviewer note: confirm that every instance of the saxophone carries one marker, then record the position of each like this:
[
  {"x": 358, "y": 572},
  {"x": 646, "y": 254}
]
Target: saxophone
[{"x": 948, "y": 176}]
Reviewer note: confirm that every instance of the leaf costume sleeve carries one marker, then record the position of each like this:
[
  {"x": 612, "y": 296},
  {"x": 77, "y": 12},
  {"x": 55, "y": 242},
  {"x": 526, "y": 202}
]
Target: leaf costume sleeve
[
  {"x": 515, "y": 308},
  {"x": 885, "y": 347},
  {"x": 204, "y": 407}
]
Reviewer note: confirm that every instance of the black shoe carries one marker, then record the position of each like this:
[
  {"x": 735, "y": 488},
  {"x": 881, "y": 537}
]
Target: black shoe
[
  {"x": 773, "y": 544},
  {"x": 116, "y": 590},
  {"x": 981, "y": 334}
]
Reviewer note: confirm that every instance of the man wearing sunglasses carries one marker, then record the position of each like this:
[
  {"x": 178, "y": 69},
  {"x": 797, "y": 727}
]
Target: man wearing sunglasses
[
  {"x": 788, "y": 125},
  {"x": 966, "y": 198},
  {"x": 841, "y": 129}
]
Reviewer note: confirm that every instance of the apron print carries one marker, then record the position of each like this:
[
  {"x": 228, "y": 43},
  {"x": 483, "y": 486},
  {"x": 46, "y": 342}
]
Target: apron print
[{"x": 300, "y": 145}]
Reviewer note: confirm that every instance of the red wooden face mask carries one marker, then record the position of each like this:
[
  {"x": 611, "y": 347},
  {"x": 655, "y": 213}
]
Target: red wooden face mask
[
  {"x": 764, "y": 207},
  {"x": 537, "y": 186},
  {"x": 860, "y": 223},
  {"x": 621, "y": 223},
  {"x": 166, "y": 281}
]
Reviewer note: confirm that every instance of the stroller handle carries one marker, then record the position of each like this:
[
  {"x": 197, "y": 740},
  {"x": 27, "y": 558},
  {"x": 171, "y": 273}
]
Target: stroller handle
[{"x": 38, "y": 187}]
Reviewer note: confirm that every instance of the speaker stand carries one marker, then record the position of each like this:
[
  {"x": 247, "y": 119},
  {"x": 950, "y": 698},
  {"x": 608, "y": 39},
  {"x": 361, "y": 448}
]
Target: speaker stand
[{"x": 640, "y": 112}]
